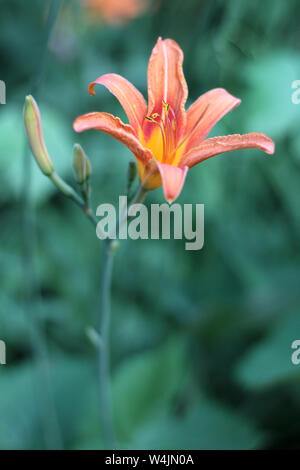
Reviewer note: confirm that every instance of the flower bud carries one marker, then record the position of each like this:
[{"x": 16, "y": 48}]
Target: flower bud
[
  {"x": 33, "y": 125},
  {"x": 81, "y": 165}
]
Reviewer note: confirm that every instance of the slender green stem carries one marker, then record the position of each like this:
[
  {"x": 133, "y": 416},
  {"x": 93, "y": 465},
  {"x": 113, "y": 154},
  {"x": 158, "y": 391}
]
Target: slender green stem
[
  {"x": 66, "y": 189},
  {"x": 137, "y": 199},
  {"x": 104, "y": 347},
  {"x": 69, "y": 192},
  {"x": 106, "y": 408},
  {"x": 139, "y": 196}
]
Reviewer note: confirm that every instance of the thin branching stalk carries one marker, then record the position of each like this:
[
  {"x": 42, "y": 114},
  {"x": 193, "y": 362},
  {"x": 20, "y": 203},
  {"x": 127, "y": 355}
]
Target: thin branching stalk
[
  {"x": 69, "y": 192},
  {"x": 109, "y": 249},
  {"x": 106, "y": 406}
]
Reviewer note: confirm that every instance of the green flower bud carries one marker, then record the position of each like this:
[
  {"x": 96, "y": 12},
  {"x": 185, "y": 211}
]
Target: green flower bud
[
  {"x": 81, "y": 165},
  {"x": 33, "y": 125}
]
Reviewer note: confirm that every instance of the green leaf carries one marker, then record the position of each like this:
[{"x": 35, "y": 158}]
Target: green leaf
[
  {"x": 206, "y": 426},
  {"x": 268, "y": 102},
  {"x": 19, "y": 416},
  {"x": 145, "y": 385},
  {"x": 23, "y": 404}
]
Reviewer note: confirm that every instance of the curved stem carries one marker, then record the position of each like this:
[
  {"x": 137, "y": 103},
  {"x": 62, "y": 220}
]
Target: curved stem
[
  {"x": 139, "y": 195},
  {"x": 137, "y": 199},
  {"x": 104, "y": 356},
  {"x": 69, "y": 192},
  {"x": 106, "y": 408}
]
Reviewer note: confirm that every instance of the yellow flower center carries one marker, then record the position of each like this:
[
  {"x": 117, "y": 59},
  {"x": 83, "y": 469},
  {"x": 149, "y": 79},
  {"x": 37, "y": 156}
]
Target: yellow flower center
[{"x": 163, "y": 139}]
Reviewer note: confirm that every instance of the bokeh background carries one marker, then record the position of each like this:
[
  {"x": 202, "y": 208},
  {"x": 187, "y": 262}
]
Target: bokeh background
[{"x": 201, "y": 341}]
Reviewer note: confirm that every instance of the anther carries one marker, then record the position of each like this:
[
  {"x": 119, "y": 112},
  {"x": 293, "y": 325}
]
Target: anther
[{"x": 166, "y": 106}]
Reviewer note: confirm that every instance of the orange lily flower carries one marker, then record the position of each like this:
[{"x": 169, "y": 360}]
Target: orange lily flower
[{"x": 165, "y": 139}]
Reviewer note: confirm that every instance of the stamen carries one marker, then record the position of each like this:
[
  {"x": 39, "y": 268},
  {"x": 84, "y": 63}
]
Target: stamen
[
  {"x": 164, "y": 138},
  {"x": 167, "y": 125},
  {"x": 166, "y": 106},
  {"x": 164, "y": 156},
  {"x": 174, "y": 127},
  {"x": 172, "y": 130},
  {"x": 170, "y": 133}
]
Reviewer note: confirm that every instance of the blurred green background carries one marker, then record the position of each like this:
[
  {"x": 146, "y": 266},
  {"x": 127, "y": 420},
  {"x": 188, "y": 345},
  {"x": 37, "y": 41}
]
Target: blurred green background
[{"x": 201, "y": 341}]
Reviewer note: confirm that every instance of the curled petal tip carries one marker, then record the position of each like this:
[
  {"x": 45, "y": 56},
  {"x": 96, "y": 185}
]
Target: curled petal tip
[
  {"x": 91, "y": 89},
  {"x": 172, "y": 179},
  {"x": 218, "y": 145},
  {"x": 129, "y": 97},
  {"x": 170, "y": 200},
  {"x": 77, "y": 125},
  {"x": 269, "y": 146}
]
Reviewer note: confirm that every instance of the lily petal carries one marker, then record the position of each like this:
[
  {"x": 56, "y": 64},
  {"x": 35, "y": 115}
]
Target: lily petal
[
  {"x": 129, "y": 97},
  {"x": 217, "y": 145},
  {"x": 113, "y": 126},
  {"x": 166, "y": 80},
  {"x": 172, "y": 180},
  {"x": 205, "y": 112}
]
